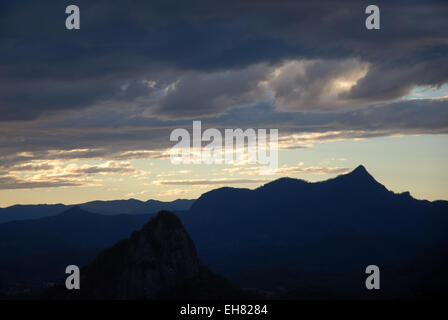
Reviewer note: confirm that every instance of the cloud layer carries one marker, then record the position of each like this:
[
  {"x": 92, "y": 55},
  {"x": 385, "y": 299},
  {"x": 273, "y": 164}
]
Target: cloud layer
[
  {"x": 200, "y": 59},
  {"x": 113, "y": 90}
]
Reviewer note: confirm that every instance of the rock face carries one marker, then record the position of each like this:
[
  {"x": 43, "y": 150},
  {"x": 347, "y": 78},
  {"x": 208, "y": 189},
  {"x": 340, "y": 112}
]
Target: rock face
[
  {"x": 153, "y": 261},
  {"x": 158, "y": 256}
]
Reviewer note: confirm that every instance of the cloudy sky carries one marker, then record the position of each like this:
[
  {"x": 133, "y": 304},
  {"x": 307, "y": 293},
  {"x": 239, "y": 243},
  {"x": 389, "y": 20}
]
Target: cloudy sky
[{"x": 87, "y": 114}]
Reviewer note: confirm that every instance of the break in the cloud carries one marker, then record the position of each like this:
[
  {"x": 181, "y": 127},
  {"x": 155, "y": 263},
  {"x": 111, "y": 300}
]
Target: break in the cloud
[{"x": 314, "y": 85}]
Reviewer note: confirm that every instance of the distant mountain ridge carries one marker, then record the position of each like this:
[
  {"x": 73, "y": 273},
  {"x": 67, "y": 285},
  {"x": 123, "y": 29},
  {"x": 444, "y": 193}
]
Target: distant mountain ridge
[
  {"x": 112, "y": 207},
  {"x": 37, "y": 251}
]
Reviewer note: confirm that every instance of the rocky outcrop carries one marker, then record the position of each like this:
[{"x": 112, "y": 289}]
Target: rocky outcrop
[
  {"x": 158, "y": 261},
  {"x": 160, "y": 255}
]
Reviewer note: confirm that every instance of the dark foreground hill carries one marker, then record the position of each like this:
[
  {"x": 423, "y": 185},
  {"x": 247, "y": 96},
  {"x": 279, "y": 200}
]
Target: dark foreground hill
[
  {"x": 35, "y": 252},
  {"x": 157, "y": 262}
]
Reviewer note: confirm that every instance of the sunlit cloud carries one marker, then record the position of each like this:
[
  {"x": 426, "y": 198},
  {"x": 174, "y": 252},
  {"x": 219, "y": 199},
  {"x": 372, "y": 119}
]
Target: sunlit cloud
[
  {"x": 317, "y": 170},
  {"x": 300, "y": 168},
  {"x": 173, "y": 192},
  {"x": 58, "y": 174},
  {"x": 209, "y": 181},
  {"x": 173, "y": 173}
]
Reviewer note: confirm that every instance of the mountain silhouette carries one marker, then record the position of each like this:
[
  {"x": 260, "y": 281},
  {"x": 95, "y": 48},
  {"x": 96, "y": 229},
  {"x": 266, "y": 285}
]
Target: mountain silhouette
[
  {"x": 290, "y": 210},
  {"x": 113, "y": 207},
  {"x": 287, "y": 237},
  {"x": 133, "y": 206},
  {"x": 25, "y": 212},
  {"x": 157, "y": 262},
  {"x": 283, "y": 232}
]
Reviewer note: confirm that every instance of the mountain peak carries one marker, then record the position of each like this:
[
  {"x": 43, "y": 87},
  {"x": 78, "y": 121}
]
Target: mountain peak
[
  {"x": 359, "y": 179},
  {"x": 164, "y": 219},
  {"x": 360, "y": 171},
  {"x": 361, "y": 174},
  {"x": 75, "y": 210}
]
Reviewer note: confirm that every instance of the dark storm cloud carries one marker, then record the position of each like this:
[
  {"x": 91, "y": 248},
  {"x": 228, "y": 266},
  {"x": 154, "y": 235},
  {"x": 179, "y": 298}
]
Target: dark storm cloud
[
  {"x": 45, "y": 68},
  {"x": 388, "y": 81},
  {"x": 407, "y": 116},
  {"x": 202, "y": 94},
  {"x": 414, "y": 115}
]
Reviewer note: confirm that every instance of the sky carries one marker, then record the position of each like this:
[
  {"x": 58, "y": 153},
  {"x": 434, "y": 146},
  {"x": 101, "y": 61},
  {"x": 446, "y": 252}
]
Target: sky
[{"x": 87, "y": 114}]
